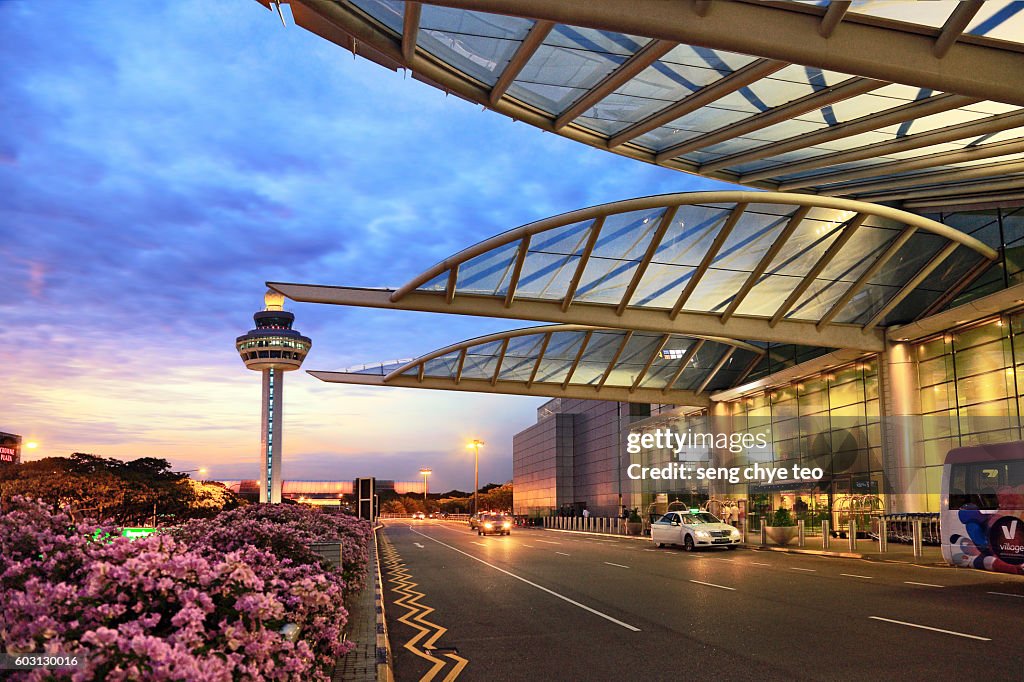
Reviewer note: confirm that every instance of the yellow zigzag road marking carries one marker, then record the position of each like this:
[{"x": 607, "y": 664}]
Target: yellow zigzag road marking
[{"x": 415, "y": 617}]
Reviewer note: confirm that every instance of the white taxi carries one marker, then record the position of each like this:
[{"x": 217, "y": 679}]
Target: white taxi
[{"x": 693, "y": 529}]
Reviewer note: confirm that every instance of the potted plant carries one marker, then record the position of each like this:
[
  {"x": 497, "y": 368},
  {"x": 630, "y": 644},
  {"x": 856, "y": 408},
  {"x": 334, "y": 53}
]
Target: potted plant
[
  {"x": 782, "y": 529},
  {"x": 635, "y": 524}
]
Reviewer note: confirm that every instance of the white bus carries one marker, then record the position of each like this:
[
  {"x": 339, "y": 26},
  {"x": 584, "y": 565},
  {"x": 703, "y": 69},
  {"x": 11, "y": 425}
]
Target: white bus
[{"x": 982, "y": 520}]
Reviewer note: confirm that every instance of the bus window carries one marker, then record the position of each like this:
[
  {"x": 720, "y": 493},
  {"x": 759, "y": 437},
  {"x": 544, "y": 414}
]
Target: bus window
[{"x": 978, "y": 484}]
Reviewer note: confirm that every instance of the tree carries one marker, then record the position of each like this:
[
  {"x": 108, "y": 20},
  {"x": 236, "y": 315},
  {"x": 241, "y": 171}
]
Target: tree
[
  {"x": 108, "y": 489},
  {"x": 392, "y": 507}
]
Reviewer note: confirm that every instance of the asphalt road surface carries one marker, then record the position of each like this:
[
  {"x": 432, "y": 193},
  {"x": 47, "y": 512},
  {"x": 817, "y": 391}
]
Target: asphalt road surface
[{"x": 543, "y": 605}]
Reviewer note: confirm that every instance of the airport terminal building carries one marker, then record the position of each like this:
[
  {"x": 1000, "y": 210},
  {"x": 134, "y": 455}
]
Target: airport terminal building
[{"x": 853, "y": 297}]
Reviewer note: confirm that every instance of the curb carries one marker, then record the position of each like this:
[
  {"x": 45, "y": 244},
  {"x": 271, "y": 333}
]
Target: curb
[
  {"x": 385, "y": 672},
  {"x": 600, "y": 535},
  {"x": 814, "y": 552}
]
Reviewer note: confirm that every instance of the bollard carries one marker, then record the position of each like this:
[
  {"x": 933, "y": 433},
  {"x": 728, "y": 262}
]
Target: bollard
[
  {"x": 826, "y": 533},
  {"x": 764, "y": 532},
  {"x": 743, "y": 530},
  {"x": 852, "y": 534},
  {"x": 918, "y": 546},
  {"x": 883, "y": 535},
  {"x": 800, "y": 539}
]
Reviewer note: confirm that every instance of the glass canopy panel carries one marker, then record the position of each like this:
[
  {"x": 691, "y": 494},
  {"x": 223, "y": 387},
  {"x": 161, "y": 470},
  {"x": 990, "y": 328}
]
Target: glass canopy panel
[
  {"x": 391, "y": 13},
  {"x": 667, "y": 362},
  {"x": 996, "y": 18},
  {"x": 443, "y": 367},
  {"x": 481, "y": 360},
  {"x": 731, "y": 372},
  {"x": 746, "y": 245},
  {"x": 704, "y": 360},
  {"x": 488, "y": 272},
  {"x": 570, "y": 62},
  {"x": 633, "y": 359},
  {"x": 379, "y": 368},
  {"x": 684, "y": 70},
  {"x": 600, "y": 351},
  {"x": 617, "y": 252},
  {"x": 477, "y": 44},
  {"x": 941, "y": 280},
  {"x": 551, "y": 261},
  {"x": 559, "y": 356},
  {"x": 907, "y": 262},
  {"x": 520, "y": 357}
]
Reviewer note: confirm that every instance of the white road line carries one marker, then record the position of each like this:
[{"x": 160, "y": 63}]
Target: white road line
[
  {"x": 563, "y": 553},
  {"x": 720, "y": 559},
  {"x": 758, "y": 563},
  {"x": 926, "y": 627},
  {"x": 1008, "y": 594},
  {"x": 619, "y": 565},
  {"x": 418, "y": 545},
  {"x": 721, "y": 587},
  {"x": 910, "y": 582},
  {"x": 478, "y": 543},
  {"x": 549, "y": 542},
  {"x": 808, "y": 570},
  {"x": 530, "y": 546},
  {"x": 854, "y": 575},
  {"x": 539, "y": 587},
  {"x": 650, "y": 550}
]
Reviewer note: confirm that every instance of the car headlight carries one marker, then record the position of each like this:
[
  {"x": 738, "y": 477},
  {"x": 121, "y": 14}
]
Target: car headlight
[
  {"x": 488, "y": 525},
  {"x": 506, "y": 525},
  {"x": 735, "y": 533},
  {"x": 702, "y": 534}
]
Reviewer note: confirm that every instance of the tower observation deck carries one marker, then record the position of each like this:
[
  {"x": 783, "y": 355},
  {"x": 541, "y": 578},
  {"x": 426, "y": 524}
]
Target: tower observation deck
[{"x": 272, "y": 348}]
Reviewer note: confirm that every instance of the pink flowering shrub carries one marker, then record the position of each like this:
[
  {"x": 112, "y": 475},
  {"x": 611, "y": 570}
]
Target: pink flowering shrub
[
  {"x": 287, "y": 531},
  {"x": 166, "y": 607}
]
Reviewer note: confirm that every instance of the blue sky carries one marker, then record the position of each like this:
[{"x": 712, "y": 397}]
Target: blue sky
[{"x": 160, "y": 161}]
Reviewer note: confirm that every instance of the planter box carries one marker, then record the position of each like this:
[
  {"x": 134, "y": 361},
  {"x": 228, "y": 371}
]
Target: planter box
[
  {"x": 634, "y": 528},
  {"x": 781, "y": 535}
]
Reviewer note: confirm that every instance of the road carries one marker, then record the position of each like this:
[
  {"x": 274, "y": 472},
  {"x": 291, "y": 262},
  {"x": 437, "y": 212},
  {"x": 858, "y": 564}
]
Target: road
[{"x": 544, "y": 605}]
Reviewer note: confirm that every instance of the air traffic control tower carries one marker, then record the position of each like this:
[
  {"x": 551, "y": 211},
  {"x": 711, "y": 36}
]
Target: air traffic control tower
[{"x": 272, "y": 348}]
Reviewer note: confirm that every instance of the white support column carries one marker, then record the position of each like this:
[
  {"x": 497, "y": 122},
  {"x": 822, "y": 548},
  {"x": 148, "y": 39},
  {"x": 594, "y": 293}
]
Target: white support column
[
  {"x": 902, "y": 454},
  {"x": 720, "y": 421},
  {"x": 270, "y": 436}
]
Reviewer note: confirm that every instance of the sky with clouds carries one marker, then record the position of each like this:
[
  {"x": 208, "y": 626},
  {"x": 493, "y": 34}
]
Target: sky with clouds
[{"x": 160, "y": 161}]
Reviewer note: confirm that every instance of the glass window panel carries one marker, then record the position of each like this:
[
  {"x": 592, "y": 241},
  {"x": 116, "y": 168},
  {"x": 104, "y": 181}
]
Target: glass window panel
[
  {"x": 933, "y": 348},
  {"x": 981, "y": 334},
  {"x": 984, "y": 387},
  {"x": 935, "y": 371},
  {"x": 845, "y": 394},
  {"x": 986, "y": 358}
]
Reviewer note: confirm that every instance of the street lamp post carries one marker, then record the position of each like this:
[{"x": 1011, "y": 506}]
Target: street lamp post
[
  {"x": 475, "y": 447},
  {"x": 424, "y": 472}
]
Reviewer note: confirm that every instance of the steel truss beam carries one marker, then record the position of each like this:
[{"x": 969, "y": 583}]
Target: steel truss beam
[
  {"x": 641, "y": 319},
  {"x": 551, "y": 390}
]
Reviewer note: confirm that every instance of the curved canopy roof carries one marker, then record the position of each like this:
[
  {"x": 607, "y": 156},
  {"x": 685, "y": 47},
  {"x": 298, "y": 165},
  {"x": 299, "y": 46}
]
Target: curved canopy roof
[
  {"x": 919, "y": 102},
  {"x": 574, "y": 361},
  {"x": 763, "y": 266}
]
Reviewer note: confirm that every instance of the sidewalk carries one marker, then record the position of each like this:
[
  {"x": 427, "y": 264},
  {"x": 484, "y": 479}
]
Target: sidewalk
[
  {"x": 866, "y": 549},
  {"x": 366, "y": 629}
]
